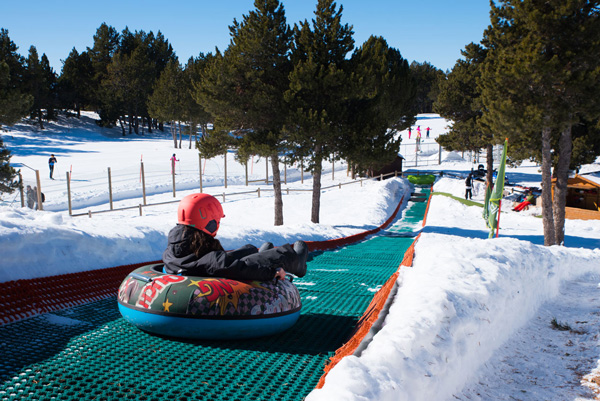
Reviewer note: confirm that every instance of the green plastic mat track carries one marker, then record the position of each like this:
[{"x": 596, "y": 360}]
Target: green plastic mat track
[{"x": 90, "y": 353}]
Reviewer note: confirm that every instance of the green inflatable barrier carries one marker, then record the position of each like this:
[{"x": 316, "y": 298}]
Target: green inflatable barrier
[{"x": 421, "y": 179}]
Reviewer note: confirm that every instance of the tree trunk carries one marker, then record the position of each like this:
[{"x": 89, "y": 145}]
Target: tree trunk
[
  {"x": 490, "y": 165},
  {"x": 173, "y": 133},
  {"x": 547, "y": 215},
  {"x": 316, "y": 195},
  {"x": 561, "y": 172},
  {"x": 179, "y": 129},
  {"x": 277, "y": 190},
  {"x": 39, "y": 113},
  {"x": 122, "y": 126}
]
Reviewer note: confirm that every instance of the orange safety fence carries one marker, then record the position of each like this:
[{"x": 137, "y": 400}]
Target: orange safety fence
[
  {"x": 336, "y": 243},
  {"x": 368, "y": 319},
  {"x": 25, "y": 298}
]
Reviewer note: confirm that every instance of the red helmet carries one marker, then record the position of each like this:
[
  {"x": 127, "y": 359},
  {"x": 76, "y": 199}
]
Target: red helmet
[{"x": 202, "y": 211}]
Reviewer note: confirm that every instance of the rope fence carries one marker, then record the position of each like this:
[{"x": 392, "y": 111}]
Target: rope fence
[{"x": 224, "y": 195}]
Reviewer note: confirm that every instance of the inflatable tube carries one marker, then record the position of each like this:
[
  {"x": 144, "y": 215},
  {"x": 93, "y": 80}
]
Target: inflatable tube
[
  {"x": 207, "y": 307},
  {"x": 421, "y": 179}
]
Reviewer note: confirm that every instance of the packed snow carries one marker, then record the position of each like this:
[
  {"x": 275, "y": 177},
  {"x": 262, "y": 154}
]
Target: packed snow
[{"x": 472, "y": 319}]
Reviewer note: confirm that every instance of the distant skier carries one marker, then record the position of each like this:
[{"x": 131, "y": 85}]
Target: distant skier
[
  {"x": 173, "y": 160},
  {"x": 469, "y": 187},
  {"x": 51, "y": 162},
  {"x": 427, "y": 130},
  {"x": 418, "y": 139},
  {"x": 409, "y": 132}
]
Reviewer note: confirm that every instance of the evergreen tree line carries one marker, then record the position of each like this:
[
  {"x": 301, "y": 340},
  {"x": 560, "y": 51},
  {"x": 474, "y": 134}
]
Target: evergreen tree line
[
  {"x": 535, "y": 79},
  {"x": 293, "y": 94}
]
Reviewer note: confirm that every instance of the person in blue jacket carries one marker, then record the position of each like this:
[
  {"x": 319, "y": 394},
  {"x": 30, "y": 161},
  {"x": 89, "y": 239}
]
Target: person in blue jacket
[
  {"x": 193, "y": 250},
  {"x": 51, "y": 162}
]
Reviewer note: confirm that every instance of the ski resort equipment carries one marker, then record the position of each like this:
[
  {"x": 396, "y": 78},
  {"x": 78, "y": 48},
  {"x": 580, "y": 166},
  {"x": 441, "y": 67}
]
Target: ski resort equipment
[
  {"x": 207, "y": 307},
  {"x": 426, "y": 179}
]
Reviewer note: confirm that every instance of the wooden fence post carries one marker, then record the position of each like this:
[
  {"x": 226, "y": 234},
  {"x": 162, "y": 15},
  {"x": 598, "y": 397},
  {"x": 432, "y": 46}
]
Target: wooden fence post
[
  {"x": 69, "y": 193},
  {"x": 223, "y": 197},
  {"x": 143, "y": 183},
  {"x": 200, "y": 170},
  {"x": 225, "y": 166},
  {"x": 258, "y": 191},
  {"x": 21, "y": 190},
  {"x": 39, "y": 190},
  {"x": 440, "y": 155},
  {"x": 267, "y": 169},
  {"x": 302, "y": 171},
  {"x": 173, "y": 175},
  {"x": 332, "y": 169},
  {"x": 110, "y": 200},
  {"x": 285, "y": 174},
  {"x": 140, "y": 206},
  {"x": 246, "y": 165}
]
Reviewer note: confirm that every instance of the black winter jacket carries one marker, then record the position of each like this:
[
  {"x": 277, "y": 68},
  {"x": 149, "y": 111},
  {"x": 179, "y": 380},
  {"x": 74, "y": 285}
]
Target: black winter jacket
[{"x": 244, "y": 263}]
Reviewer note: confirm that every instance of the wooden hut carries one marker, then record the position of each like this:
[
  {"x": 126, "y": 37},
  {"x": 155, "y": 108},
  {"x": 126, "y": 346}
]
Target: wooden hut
[{"x": 583, "y": 197}]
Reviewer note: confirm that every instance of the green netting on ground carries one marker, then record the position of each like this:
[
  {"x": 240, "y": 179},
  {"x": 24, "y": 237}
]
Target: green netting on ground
[{"x": 90, "y": 353}]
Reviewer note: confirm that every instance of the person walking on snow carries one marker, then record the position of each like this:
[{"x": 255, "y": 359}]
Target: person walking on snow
[
  {"x": 469, "y": 187},
  {"x": 427, "y": 131},
  {"x": 173, "y": 160},
  {"x": 409, "y": 132},
  {"x": 418, "y": 139},
  {"x": 51, "y": 162}
]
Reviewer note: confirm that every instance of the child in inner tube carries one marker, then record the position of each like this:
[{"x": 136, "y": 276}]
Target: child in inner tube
[{"x": 193, "y": 250}]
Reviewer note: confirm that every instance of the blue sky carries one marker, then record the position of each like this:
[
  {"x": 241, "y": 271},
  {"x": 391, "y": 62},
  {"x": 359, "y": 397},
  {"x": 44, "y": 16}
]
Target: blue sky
[{"x": 423, "y": 30}]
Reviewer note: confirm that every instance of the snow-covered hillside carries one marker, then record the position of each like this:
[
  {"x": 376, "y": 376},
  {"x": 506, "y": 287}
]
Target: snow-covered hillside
[{"x": 472, "y": 318}]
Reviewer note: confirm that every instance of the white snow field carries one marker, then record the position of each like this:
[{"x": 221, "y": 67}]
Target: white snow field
[{"x": 472, "y": 318}]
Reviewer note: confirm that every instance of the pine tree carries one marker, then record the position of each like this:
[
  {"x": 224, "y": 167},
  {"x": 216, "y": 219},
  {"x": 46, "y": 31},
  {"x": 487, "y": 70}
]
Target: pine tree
[
  {"x": 459, "y": 100},
  {"x": 14, "y": 105},
  {"x": 14, "y": 61},
  {"x": 50, "y": 99},
  {"x": 194, "y": 113},
  {"x": 243, "y": 88},
  {"x": 540, "y": 79},
  {"x": 427, "y": 78},
  {"x": 37, "y": 85},
  {"x": 166, "y": 101},
  {"x": 381, "y": 104},
  {"x": 15, "y": 102},
  {"x": 320, "y": 86},
  {"x": 7, "y": 174},
  {"x": 75, "y": 81},
  {"x": 106, "y": 43}
]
